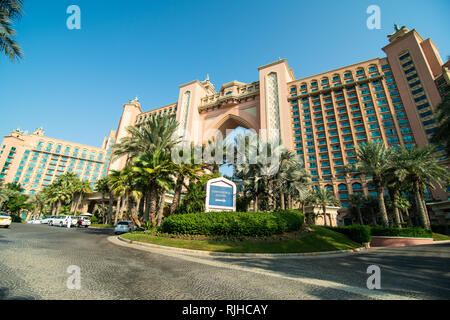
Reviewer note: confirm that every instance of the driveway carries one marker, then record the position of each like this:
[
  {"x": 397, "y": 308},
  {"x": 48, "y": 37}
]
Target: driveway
[{"x": 34, "y": 260}]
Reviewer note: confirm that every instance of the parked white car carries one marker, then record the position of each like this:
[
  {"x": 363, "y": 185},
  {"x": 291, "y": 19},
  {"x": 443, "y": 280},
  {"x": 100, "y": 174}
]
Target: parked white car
[
  {"x": 5, "y": 219},
  {"x": 82, "y": 221},
  {"x": 45, "y": 220},
  {"x": 34, "y": 221},
  {"x": 61, "y": 221}
]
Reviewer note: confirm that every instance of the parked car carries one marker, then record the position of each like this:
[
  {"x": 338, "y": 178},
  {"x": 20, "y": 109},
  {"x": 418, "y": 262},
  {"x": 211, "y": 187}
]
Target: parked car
[
  {"x": 34, "y": 221},
  {"x": 61, "y": 221},
  {"x": 50, "y": 220},
  {"x": 5, "y": 219},
  {"x": 45, "y": 220},
  {"x": 83, "y": 222},
  {"x": 124, "y": 226}
]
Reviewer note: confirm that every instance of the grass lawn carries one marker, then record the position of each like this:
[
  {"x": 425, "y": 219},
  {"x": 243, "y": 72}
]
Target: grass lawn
[
  {"x": 320, "y": 239},
  {"x": 440, "y": 237}
]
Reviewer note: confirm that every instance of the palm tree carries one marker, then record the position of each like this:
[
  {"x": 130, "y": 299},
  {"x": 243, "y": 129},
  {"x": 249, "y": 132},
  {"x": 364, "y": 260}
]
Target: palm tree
[
  {"x": 442, "y": 133},
  {"x": 156, "y": 169},
  {"x": 371, "y": 203},
  {"x": 38, "y": 203},
  {"x": 3, "y": 196},
  {"x": 184, "y": 171},
  {"x": 323, "y": 198},
  {"x": 103, "y": 187},
  {"x": 9, "y": 11},
  {"x": 158, "y": 133},
  {"x": 420, "y": 167},
  {"x": 79, "y": 189},
  {"x": 292, "y": 180},
  {"x": 358, "y": 199},
  {"x": 373, "y": 158}
]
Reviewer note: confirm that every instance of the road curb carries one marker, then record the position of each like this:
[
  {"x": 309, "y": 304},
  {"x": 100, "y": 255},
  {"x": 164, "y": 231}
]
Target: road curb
[{"x": 243, "y": 255}]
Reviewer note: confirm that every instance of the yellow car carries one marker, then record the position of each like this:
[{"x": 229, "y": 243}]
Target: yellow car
[{"x": 5, "y": 219}]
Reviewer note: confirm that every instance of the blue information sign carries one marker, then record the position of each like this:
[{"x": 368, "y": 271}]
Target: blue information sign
[{"x": 221, "y": 196}]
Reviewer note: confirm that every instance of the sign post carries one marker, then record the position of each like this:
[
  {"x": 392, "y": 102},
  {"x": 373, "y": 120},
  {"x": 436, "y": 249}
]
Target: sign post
[{"x": 220, "y": 195}]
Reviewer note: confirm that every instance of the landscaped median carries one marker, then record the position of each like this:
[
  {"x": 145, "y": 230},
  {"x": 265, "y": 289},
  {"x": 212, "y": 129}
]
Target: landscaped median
[{"x": 244, "y": 232}]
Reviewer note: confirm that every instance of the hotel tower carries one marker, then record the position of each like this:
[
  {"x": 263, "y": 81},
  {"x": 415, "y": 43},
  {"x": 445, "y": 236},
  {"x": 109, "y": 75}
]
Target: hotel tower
[{"x": 322, "y": 117}]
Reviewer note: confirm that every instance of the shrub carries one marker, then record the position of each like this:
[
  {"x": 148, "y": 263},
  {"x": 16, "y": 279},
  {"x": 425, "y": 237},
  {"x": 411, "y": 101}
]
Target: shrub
[
  {"x": 94, "y": 219},
  {"x": 234, "y": 223},
  {"x": 397, "y": 232},
  {"x": 356, "y": 232},
  {"x": 16, "y": 218},
  {"x": 440, "y": 228}
]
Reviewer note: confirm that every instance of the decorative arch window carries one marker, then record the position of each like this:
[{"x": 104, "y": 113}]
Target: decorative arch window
[
  {"x": 313, "y": 83},
  {"x": 342, "y": 187},
  {"x": 356, "y": 186},
  {"x": 329, "y": 187},
  {"x": 372, "y": 68},
  {"x": 360, "y": 72},
  {"x": 347, "y": 75},
  {"x": 336, "y": 77}
]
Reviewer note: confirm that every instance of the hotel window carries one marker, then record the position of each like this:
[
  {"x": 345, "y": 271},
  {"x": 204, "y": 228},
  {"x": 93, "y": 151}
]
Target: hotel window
[
  {"x": 426, "y": 114},
  {"x": 390, "y": 132},
  {"x": 407, "y": 138}
]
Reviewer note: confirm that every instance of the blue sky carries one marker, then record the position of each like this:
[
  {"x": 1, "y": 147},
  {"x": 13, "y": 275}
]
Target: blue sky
[{"x": 74, "y": 82}]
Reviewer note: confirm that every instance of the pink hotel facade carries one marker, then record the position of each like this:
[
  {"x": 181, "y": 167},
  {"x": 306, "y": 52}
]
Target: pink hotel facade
[{"x": 322, "y": 117}]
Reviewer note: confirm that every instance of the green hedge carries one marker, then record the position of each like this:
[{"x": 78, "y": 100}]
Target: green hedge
[
  {"x": 404, "y": 232},
  {"x": 234, "y": 223},
  {"x": 357, "y": 233}
]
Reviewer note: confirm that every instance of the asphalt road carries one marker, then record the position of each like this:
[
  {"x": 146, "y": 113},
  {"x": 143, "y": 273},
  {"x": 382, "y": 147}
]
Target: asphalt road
[{"x": 34, "y": 261}]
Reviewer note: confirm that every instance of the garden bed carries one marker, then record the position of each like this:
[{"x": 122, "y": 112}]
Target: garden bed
[{"x": 317, "y": 240}]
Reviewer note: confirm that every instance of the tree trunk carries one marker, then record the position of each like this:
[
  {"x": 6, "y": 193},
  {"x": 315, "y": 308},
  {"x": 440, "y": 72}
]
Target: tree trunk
[
  {"x": 79, "y": 200},
  {"x": 116, "y": 216},
  {"x": 110, "y": 205},
  {"x": 382, "y": 206},
  {"x": 256, "y": 197},
  {"x": 289, "y": 201},
  {"x": 58, "y": 207},
  {"x": 324, "y": 208},
  {"x": 147, "y": 207},
  {"x": 132, "y": 211},
  {"x": 424, "y": 204},
  {"x": 153, "y": 200},
  {"x": 394, "y": 195},
  {"x": 124, "y": 206},
  {"x": 160, "y": 215},
  {"x": 419, "y": 204},
  {"x": 177, "y": 194},
  {"x": 283, "y": 206},
  {"x": 374, "y": 217},
  {"x": 360, "y": 218}
]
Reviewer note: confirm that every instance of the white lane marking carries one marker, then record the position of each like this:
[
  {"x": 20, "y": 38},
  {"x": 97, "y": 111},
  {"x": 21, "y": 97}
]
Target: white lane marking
[{"x": 374, "y": 294}]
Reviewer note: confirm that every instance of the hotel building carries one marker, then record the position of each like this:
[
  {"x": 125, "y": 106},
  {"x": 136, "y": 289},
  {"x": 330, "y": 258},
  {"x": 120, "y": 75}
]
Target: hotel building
[
  {"x": 35, "y": 161},
  {"x": 322, "y": 117}
]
